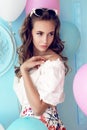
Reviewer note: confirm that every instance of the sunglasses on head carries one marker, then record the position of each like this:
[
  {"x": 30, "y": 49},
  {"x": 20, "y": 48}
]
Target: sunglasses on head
[{"x": 39, "y": 12}]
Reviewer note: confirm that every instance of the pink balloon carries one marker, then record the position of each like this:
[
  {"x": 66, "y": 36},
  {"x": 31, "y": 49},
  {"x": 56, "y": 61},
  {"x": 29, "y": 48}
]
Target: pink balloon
[
  {"x": 80, "y": 88},
  {"x": 51, "y": 4}
]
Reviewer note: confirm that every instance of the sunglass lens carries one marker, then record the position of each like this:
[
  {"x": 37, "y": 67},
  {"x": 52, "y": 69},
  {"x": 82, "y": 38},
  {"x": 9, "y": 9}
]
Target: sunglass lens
[
  {"x": 52, "y": 12},
  {"x": 39, "y": 12}
]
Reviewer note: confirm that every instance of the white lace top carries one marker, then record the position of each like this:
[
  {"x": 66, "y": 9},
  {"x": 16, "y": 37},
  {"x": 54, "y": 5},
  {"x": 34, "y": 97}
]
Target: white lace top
[{"x": 49, "y": 81}]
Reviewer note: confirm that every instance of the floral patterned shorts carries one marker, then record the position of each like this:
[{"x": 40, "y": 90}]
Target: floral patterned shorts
[{"x": 50, "y": 118}]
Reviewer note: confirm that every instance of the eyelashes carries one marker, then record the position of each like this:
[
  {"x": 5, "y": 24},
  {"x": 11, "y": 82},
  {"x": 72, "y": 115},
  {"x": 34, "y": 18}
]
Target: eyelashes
[{"x": 41, "y": 33}]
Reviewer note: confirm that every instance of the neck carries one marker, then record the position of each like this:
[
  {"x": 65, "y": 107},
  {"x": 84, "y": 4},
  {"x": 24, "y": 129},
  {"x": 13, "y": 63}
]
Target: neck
[{"x": 38, "y": 53}]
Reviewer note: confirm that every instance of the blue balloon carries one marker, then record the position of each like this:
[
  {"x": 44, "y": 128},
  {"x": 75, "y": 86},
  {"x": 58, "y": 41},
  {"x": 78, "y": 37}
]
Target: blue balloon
[
  {"x": 27, "y": 123},
  {"x": 71, "y": 35}
]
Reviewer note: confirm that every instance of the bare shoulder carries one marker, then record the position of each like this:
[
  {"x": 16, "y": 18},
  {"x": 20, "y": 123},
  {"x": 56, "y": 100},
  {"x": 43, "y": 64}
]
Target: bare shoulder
[{"x": 51, "y": 55}]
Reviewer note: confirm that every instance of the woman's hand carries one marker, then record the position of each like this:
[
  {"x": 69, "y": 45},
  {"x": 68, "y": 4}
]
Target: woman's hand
[{"x": 35, "y": 61}]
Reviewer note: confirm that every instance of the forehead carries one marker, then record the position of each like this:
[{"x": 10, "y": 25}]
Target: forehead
[{"x": 44, "y": 25}]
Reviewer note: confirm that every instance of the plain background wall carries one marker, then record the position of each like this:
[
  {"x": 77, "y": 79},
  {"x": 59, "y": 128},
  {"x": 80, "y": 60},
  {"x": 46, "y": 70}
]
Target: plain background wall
[{"x": 73, "y": 11}]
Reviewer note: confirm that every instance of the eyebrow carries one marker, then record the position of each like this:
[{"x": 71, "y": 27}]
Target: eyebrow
[{"x": 43, "y": 32}]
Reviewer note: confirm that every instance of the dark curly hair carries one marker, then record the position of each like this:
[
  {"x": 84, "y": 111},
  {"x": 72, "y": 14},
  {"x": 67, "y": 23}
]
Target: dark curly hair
[{"x": 25, "y": 51}]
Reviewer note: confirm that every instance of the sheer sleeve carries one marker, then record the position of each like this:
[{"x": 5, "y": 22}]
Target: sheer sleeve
[
  {"x": 51, "y": 82},
  {"x": 18, "y": 87}
]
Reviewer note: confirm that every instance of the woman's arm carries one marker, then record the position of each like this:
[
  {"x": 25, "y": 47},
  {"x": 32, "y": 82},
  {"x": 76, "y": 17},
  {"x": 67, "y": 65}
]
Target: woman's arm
[{"x": 37, "y": 105}]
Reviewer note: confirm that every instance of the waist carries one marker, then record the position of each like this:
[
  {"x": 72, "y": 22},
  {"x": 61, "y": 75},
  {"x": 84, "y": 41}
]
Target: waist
[{"x": 27, "y": 111}]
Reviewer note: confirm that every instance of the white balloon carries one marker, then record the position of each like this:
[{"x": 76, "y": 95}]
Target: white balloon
[
  {"x": 1, "y": 127},
  {"x": 10, "y": 10}
]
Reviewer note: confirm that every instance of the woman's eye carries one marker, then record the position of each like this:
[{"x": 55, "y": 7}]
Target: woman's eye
[
  {"x": 39, "y": 33},
  {"x": 51, "y": 34}
]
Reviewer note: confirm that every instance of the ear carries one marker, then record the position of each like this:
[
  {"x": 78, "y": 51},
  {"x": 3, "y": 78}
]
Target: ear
[{"x": 71, "y": 35}]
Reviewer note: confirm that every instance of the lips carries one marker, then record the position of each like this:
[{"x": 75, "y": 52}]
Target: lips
[{"x": 43, "y": 46}]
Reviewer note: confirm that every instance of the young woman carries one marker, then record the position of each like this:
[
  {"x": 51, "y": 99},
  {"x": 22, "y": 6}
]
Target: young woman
[{"x": 41, "y": 72}]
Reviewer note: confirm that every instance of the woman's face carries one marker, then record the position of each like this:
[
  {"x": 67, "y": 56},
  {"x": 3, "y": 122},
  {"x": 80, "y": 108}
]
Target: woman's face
[{"x": 43, "y": 35}]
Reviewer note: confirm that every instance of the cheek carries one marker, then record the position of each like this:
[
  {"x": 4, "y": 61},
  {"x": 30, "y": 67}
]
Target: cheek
[
  {"x": 35, "y": 41},
  {"x": 34, "y": 38},
  {"x": 51, "y": 40}
]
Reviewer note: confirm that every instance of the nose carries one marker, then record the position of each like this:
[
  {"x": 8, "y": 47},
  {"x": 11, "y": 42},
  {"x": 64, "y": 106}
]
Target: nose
[{"x": 45, "y": 39}]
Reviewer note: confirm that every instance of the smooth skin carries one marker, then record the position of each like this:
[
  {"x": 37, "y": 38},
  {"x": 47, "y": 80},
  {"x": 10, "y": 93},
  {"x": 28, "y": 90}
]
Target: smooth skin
[{"x": 43, "y": 35}]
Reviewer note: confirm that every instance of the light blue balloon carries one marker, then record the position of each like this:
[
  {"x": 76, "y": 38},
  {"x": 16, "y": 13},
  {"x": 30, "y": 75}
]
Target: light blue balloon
[
  {"x": 27, "y": 123},
  {"x": 71, "y": 35}
]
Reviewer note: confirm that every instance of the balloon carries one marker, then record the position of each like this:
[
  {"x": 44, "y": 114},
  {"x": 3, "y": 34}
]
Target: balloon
[
  {"x": 53, "y": 4},
  {"x": 71, "y": 35},
  {"x": 80, "y": 88},
  {"x": 10, "y": 10},
  {"x": 27, "y": 123},
  {"x": 1, "y": 127}
]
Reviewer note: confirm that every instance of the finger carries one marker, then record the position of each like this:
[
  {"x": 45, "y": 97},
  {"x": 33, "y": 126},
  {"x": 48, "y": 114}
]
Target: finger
[
  {"x": 38, "y": 62},
  {"x": 38, "y": 58}
]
